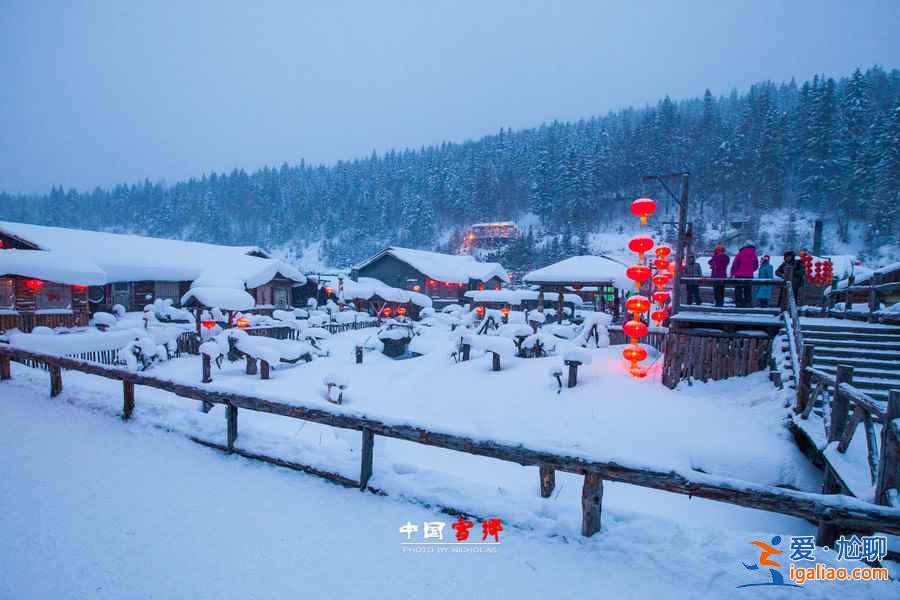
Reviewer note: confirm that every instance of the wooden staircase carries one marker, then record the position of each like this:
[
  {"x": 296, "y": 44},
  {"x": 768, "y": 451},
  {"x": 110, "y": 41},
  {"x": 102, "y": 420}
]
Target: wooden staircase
[{"x": 872, "y": 350}]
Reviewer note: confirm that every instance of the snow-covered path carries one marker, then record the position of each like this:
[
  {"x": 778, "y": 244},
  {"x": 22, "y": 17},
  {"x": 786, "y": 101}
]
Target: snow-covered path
[{"x": 91, "y": 507}]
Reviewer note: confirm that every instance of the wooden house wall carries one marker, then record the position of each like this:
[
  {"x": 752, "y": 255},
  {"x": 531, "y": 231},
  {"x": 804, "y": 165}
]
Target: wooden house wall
[
  {"x": 393, "y": 272},
  {"x": 25, "y": 306}
]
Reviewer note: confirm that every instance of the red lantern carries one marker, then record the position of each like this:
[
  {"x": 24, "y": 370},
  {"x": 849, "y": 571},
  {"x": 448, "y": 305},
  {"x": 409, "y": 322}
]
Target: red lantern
[
  {"x": 504, "y": 311},
  {"x": 640, "y": 244},
  {"x": 663, "y": 251},
  {"x": 660, "y": 296},
  {"x": 659, "y": 316},
  {"x": 481, "y": 286},
  {"x": 635, "y": 329},
  {"x": 479, "y": 311},
  {"x": 34, "y": 285},
  {"x": 417, "y": 288},
  {"x": 208, "y": 324},
  {"x": 387, "y": 311},
  {"x": 401, "y": 310},
  {"x": 637, "y": 304},
  {"x": 643, "y": 208},
  {"x": 661, "y": 279},
  {"x": 634, "y": 353},
  {"x": 328, "y": 291},
  {"x": 79, "y": 289},
  {"x": 661, "y": 264},
  {"x": 243, "y": 322},
  {"x": 638, "y": 372},
  {"x": 638, "y": 274}
]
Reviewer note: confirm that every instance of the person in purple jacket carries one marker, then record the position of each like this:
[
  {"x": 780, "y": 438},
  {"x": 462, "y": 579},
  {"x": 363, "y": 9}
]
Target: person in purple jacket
[
  {"x": 718, "y": 265},
  {"x": 744, "y": 266}
]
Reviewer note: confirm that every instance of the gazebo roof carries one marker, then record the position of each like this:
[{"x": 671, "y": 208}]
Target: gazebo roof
[{"x": 581, "y": 270}]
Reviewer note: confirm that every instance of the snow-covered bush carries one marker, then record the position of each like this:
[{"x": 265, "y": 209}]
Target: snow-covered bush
[
  {"x": 104, "y": 320},
  {"x": 118, "y": 310},
  {"x": 141, "y": 353},
  {"x": 42, "y": 330},
  {"x": 335, "y": 386}
]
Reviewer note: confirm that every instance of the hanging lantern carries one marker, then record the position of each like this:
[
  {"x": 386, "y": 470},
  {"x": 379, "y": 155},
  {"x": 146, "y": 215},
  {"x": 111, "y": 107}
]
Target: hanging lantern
[
  {"x": 635, "y": 329},
  {"x": 79, "y": 289},
  {"x": 661, "y": 264},
  {"x": 638, "y": 274},
  {"x": 638, "y": 372},
  {"x": 417, "y": 288},
  {"x": 634, "y": 353},
  {"x": 663, "y": 251},
  {"x": 479, "y": 311},
  {"x": 243, "y": 322},
  {"x": 328, "y": 291},
  {"x": 660, "y": 297},
  {"x": 643, "y": 208},
  {"x": 208, "y": 324},
  {"x": 659, "y": 316},
  {"x": 34, "y": 285},
  {"x": 637, "y": 304},
  {"x": 387, "y": 311},
  {"x": 401, "y": 310},
  {"x": 661, "y": 279},
  {"x": 505, "y": 312},
  {"x": 640, "y": 244}
]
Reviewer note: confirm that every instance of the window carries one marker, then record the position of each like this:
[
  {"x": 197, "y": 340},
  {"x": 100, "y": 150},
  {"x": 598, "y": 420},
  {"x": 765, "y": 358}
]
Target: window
[
  {"x": 280, "y": 296},
  {"x": 166, "y": 290},
  {"x": 54, "y": 295},
  {"x": 7, "y": 292}
]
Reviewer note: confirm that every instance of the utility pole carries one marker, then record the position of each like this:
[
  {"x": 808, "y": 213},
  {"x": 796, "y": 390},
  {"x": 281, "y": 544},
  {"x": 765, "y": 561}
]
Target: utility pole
[{"x": 682, "y": 203}]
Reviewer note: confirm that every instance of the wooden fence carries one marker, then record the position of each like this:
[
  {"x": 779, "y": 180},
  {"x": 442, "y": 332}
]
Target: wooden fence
[
  {"x": 846, "y": 408},
  {"x": 882, "y": 288},
  {"x": 842, "y": 513},
  {"x": 710, "y": 356},
  {"x": 189, "y": 343}
]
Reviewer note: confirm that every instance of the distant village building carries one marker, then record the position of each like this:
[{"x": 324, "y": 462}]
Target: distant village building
[
  {"x": 488, "y": 235},
  {"x": 56, "y": 276},
  {"x": 442, "y": 277}
]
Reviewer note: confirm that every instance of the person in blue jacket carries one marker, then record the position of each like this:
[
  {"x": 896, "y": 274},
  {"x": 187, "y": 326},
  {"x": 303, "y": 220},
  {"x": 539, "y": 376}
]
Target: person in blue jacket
[{"x": 763, "y": 293}]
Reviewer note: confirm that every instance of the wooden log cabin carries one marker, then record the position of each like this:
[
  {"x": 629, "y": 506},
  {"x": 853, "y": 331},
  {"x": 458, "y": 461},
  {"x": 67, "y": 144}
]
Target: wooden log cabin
[
  {"x": 44, "y": 289},
  {"x": 137, "y": 270},
  {"x": 445, "y": 278}
]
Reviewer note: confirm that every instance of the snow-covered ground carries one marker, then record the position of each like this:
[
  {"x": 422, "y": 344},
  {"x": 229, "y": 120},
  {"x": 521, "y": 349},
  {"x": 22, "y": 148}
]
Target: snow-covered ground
[{"x": 92, "y": 507}]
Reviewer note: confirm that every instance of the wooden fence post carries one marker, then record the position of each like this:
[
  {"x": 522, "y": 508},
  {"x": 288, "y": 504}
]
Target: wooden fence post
[
  {"x": 207, "y": 369},
  {"x": 365, "y": 468},
  {"x": 263, "y": 369},
  {"x": 495, "y": 362},
  {"x": 127, "y": 400},
  {"x": 573, "y": 373},
  {"x": 231, "y": 419},
  {"x": 251, "y": 365},
  {"x": 873, "y": 297},
  {"x": 55, "y": 380},
  {"x": 5, "y": 368},
  {"x": 359, "y": 354},
  {"x": 466, "y": 348},
  {"x": 840, "y": 406},
  {"x": 803, "y": 379},
  {"x": 889, "y": 465},
  {"x": 548, "y": 480},
  {"x": 591, "y": 503}
]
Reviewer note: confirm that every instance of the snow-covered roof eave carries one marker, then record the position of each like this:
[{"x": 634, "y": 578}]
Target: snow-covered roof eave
[
  {"x": 51, "y": 266},
  {"x": 449, "y": 268},
  {"x": 225, "y": 298}
]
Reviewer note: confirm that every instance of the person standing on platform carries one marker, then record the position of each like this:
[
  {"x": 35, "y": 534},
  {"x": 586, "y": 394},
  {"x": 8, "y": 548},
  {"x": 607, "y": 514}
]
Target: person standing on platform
[
  {"x": 692, "y": 269},
  {"x": 744, "y": 266},
  {"x": 718, "y": 265},
  {"x": 763, "y": 293},
  {"x": 790, "y": 270}
]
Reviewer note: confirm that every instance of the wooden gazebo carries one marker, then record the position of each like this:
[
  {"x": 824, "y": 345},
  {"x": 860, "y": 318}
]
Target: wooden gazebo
[{"x": 576, "y": 273}]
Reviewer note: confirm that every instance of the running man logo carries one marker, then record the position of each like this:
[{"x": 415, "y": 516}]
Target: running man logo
[{"x": 766, "y": 551}]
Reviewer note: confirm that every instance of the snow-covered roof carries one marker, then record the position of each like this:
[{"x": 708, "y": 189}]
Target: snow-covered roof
[
  {"x": 57, "y": 267},
  {"x": 582, "y": 270},
  {"x": 125, "y": 257},
  {"x": 450, "y": 268},
  {"x": 246, "y": 271},
  {"x": 226, "y": 298}
]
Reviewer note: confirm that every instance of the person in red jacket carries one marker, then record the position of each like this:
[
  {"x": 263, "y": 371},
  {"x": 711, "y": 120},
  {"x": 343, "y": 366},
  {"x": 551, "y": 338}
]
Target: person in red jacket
[
  {"x": 718, "y": 266},
  {"x": 743, "y": 266}
]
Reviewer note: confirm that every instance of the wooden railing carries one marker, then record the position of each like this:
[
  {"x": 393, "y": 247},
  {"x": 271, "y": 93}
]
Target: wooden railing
[
  {"x": 189, "y": 343},
  {"x": 850, "y": 514},
  {"x": 873, "y": 293},
  {"x": 846, "y": 409}
]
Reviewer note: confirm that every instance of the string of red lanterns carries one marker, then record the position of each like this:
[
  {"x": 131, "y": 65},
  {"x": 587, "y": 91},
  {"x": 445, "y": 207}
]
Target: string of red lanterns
[{"x": 639, "y": 273}]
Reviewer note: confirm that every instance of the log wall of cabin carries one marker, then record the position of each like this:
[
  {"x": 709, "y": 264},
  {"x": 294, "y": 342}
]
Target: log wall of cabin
[{"x": 25, "y": 318}]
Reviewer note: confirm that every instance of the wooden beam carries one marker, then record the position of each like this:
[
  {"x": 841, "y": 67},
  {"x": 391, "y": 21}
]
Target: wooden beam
[
  {"x": 127, "y": 400},
  {"x": 840, "y": 404},
  {"x": 263, "y": 369},
  {"x": 207, "y": 369},
  {"x": 5, "y": 368},
  {"x": 889, "y": 464},
  {"x": 591, "y": 504},
  {"x": 803, "y": 379},
  {"x": 365, "y": 468},
  {"x": 251, "y": 365}
]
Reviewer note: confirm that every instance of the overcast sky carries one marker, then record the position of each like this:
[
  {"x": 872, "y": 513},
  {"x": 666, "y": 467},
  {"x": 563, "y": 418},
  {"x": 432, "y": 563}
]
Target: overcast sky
[{"x": 95, "y": 93}]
